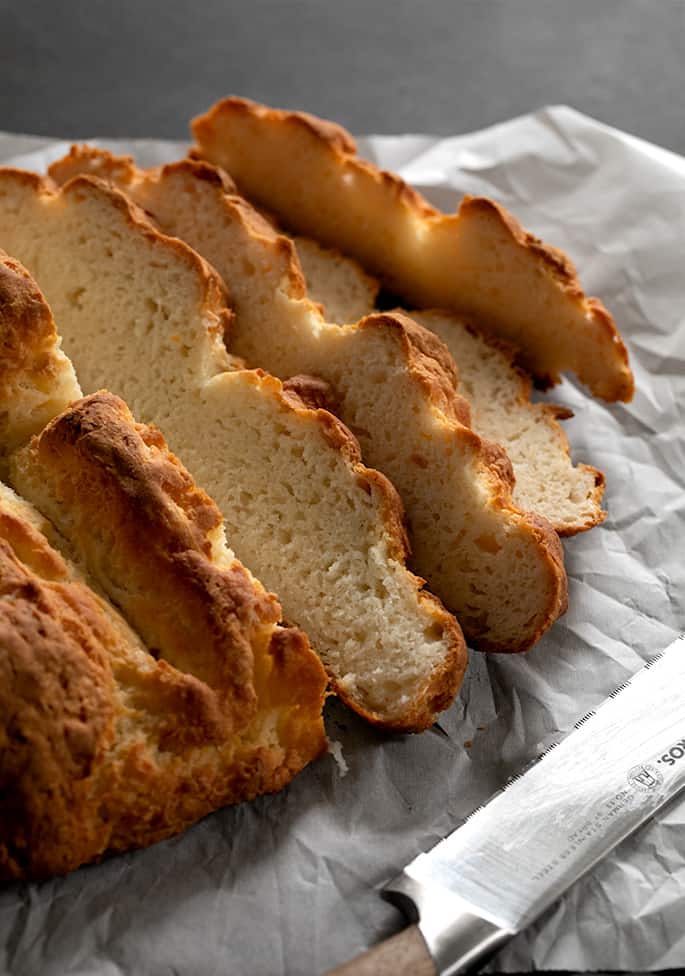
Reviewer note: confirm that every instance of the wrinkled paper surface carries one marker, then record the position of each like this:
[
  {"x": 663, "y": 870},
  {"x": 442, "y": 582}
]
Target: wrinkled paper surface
[{"x": 288, "y": 884}]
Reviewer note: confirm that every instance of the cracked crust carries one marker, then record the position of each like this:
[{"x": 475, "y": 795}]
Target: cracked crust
[
  {"x": 109, "y": 741},
  {"x": 479, "y": 262},
  {"x": 57, "y": 713}
]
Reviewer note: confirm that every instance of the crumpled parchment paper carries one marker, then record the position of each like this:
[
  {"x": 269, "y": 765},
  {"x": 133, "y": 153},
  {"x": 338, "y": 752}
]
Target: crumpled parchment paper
[{"x": 288, "y": 884}]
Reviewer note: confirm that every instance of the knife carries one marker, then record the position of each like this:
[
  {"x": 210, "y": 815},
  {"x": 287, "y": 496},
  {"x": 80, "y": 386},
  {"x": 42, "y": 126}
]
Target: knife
[{"x": 517, "y": 854}]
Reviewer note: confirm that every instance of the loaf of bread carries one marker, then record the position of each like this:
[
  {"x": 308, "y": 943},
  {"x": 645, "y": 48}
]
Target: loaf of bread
[
  {"x": 392, "y": 384},
  {"x": 478, "y": 262},
  {"x": 144, "y": 677},
  {"x": 143, "y": 315}
]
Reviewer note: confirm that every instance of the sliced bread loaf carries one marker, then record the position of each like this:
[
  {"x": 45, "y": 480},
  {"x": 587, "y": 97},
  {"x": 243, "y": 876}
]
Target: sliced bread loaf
[
  {"x": 478, "y": 262},
  {"x": 393, "y": 385},
  {"x": 144, "y": 678},
  {"x": 144, "y": 315}
]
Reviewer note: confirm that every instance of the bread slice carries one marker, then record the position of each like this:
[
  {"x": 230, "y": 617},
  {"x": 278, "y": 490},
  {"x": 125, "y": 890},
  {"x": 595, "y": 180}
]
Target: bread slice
[
  {"x": 143, "y": 315},
  {"x": 478, "y": 262},
  {"x": 393, "y": 384},
  {"x": 144, "y": 678},
  {"x": 498, "y": 394}
]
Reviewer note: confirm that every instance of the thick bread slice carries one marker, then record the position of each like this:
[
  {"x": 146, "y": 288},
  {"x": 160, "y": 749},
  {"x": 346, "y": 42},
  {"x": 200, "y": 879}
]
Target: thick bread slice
[
  {"x": 124, "y": 720},
  {"x": 498, "y": 394},
  {"x": 143, "y": 315},
  {"x": 479, "y": 262},
  {"x": 393, "y": 384}
]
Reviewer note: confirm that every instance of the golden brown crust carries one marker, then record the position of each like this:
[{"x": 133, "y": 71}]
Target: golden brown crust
[
  {"x": 56, "y": 717},
  {"x": 26, "y": 324},
  {"x": 427, "y": 359},
  {"x": 338, "y": 139},
  {"x": 98, "y": 750},
  {"x": 322, "y": 132},
  {"x": 558, "y": 263},
  {"x": 82, "y": 159}
]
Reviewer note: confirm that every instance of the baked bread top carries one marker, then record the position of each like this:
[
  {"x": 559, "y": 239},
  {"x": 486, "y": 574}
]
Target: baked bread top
[
  {"x": 392, "y": 382},
  {"x": 478, "y": 262},
  {"x": 144, "y": 677},
  {"x": 144, "y": 315}
]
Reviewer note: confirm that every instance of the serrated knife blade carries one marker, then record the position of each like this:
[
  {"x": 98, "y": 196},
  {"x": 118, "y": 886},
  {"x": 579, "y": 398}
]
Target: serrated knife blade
[{"x": 517, "y": 854}]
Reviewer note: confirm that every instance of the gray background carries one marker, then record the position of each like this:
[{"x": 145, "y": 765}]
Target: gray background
[{"x": 441, "y": 66}]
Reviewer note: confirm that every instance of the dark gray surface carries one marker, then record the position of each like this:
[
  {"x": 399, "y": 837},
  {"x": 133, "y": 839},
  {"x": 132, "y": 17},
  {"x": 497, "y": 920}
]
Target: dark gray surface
[{"x": 440, "y": 66}]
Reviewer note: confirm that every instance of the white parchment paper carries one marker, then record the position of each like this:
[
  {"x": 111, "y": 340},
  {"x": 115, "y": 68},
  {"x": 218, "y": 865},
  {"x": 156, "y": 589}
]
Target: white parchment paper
[{"x": 288, "y": 884}]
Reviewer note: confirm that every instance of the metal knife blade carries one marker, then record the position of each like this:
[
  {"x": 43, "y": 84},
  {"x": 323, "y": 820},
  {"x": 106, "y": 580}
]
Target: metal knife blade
[{"x": 521, "y": 850}]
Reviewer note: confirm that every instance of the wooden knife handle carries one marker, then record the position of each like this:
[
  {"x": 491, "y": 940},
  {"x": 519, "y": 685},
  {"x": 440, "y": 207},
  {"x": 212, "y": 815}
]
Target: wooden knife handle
[{"x": 405, "y": 954}]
